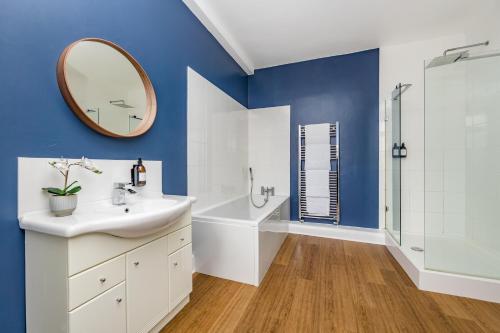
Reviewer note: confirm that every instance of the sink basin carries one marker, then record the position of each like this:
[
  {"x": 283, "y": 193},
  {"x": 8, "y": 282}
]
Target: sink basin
[{"x": 143, "y": 217}]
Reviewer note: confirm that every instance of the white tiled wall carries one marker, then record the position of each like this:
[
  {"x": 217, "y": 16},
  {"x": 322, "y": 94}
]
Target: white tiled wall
[
  {"x": 405, "y": 64},
  {"x": 482, "y": 182},
  {"x": 217, "y": 144},
  {"x": 225, "y": 139},
  {"x": 445, "y": 159},
  {"x": 269, "y": 147}
]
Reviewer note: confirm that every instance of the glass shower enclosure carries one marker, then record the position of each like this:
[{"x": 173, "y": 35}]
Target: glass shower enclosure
[
  {"x": 462, "y": 164},
  {"x": 395, "y": 151}
]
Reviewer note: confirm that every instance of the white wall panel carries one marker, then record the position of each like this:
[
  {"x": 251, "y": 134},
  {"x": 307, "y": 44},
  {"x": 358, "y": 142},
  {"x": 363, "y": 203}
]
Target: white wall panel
[
  {"x": 269, "y": 148},
  {"x": 217, "y": 144}
]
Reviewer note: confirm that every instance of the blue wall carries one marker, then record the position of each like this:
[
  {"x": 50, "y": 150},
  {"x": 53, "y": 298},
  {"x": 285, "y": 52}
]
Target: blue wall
[
  {"x": 166, "y": 38},
  {"x": 342, "y": 88},
  {"x": 34, "y": 120}
]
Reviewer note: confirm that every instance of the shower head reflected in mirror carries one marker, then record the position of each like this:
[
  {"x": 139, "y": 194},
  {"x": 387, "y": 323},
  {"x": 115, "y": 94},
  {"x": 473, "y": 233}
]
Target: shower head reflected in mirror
[{"x": 121, "y": 103}]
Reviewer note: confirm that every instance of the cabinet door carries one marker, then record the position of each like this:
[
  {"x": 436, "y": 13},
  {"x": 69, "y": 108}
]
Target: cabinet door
[
  {"x": 103, "y": 314},
  {"x": 147, "y": 285},
  {"x": 180, "y": 270}
]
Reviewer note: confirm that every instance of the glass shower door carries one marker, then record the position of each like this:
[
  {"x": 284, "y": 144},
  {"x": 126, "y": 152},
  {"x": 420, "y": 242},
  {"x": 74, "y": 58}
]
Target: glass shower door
[
  {"x": 462, "y": 166},
  {"x": 393, "y": 164}
]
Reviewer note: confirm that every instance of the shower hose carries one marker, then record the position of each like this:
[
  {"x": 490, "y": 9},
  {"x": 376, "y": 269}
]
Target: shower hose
[{"x": 251, "y": 193}]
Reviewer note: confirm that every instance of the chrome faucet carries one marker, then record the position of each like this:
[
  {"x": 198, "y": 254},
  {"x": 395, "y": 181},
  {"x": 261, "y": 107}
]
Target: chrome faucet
[
  {"x": 267, "y": 190},
  {"x": 119, "y": 193}
]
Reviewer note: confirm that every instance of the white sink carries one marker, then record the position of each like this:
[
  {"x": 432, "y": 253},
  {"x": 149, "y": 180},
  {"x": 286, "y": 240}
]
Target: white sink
[{"x": 143, "y": 217}]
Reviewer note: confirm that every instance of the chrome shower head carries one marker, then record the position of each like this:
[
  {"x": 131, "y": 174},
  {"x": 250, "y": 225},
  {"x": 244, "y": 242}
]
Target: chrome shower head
[
  {"x": 251, "y": 173},
  {"x": 448, "y": 59},
  {"x": 402, "y": 89}
]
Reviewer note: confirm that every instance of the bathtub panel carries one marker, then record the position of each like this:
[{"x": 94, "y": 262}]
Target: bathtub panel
[{"x": 225, "y": 251}]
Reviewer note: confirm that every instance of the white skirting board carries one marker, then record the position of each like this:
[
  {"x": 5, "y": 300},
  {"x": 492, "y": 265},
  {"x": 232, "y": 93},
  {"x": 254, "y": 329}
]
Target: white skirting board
[{"x": 355, "y": 234}]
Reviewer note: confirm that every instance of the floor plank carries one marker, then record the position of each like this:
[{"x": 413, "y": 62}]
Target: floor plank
[{"x": 325, "y": 285}]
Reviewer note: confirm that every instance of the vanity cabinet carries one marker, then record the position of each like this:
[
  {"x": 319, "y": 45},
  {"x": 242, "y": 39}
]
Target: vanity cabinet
[
  {"x": 147, "y": 285},
  {"x": 180, "y": 265},
  {"x": 97, "y": 283}
]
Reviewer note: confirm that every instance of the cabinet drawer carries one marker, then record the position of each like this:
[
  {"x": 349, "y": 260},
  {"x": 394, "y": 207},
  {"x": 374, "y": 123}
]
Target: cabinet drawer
[
  {"x": 105, "y": 313},
  {"x": 180, "y": 275},
  {"x": 178, "y": 239},
  {"x": 92, "y": 282}
]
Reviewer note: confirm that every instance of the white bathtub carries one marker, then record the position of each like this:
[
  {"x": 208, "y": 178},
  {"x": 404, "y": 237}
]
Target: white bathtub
[{"x": 238, "y": 242}]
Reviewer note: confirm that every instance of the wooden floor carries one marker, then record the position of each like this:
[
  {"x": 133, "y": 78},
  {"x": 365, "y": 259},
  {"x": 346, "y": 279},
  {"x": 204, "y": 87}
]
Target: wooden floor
[{"x": 325, "y": 285}]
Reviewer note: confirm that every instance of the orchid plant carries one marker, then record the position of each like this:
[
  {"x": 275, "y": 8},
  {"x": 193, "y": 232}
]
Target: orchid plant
[{"x": 64, "y": 166}]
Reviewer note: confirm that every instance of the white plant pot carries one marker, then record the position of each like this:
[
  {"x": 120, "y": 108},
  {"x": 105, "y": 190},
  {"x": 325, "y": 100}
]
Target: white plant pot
[{"x": 63, "y": 205}]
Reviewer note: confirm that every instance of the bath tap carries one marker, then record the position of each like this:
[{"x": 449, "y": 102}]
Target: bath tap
[
  {"x": 267, "y": 190},
  {"x": 266, "y": 199}
]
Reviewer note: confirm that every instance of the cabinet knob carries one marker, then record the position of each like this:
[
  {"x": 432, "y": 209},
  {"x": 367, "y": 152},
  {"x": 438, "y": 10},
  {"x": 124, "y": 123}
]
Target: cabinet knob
[
  {"x": 102, "y": 280},
  {"x": 182, "y": 239},
  {"x": 176, "y": 264},
  {"x": 136, "y": 263},
  {"x": 118, "y": 300}
]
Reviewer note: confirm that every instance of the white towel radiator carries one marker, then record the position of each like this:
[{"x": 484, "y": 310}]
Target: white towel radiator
[{"x": 334, "y": 211}]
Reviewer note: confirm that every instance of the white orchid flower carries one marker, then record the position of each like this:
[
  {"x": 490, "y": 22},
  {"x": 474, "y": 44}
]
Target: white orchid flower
[
  {"x": 62, "y": 165},
  {"x": 89, "y": 165}
]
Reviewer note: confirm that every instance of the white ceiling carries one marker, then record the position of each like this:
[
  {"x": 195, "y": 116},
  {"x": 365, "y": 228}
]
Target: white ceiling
[{"x": 264, "y": 33}]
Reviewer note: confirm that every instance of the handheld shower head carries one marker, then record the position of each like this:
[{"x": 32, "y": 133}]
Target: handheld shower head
[{"x": 266, "y": 199}]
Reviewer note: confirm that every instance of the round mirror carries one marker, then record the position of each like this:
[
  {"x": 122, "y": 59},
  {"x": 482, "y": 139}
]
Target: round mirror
[{"x": 106, "y": 88}]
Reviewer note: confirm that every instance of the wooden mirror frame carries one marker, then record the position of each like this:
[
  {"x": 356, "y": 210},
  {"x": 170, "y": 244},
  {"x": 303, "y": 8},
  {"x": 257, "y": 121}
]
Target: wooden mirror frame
[{"x": 149, "y": 114}]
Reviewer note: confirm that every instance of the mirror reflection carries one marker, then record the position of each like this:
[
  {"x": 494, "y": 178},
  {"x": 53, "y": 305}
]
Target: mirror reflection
[{"x": 107, "y": 87}]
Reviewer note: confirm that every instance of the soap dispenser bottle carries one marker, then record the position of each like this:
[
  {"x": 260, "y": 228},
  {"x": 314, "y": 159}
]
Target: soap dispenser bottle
[
  {"x": 402, "y": 150},
  {"x": 395, "y": 151},
  {"x": 139, "y": 174}
]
